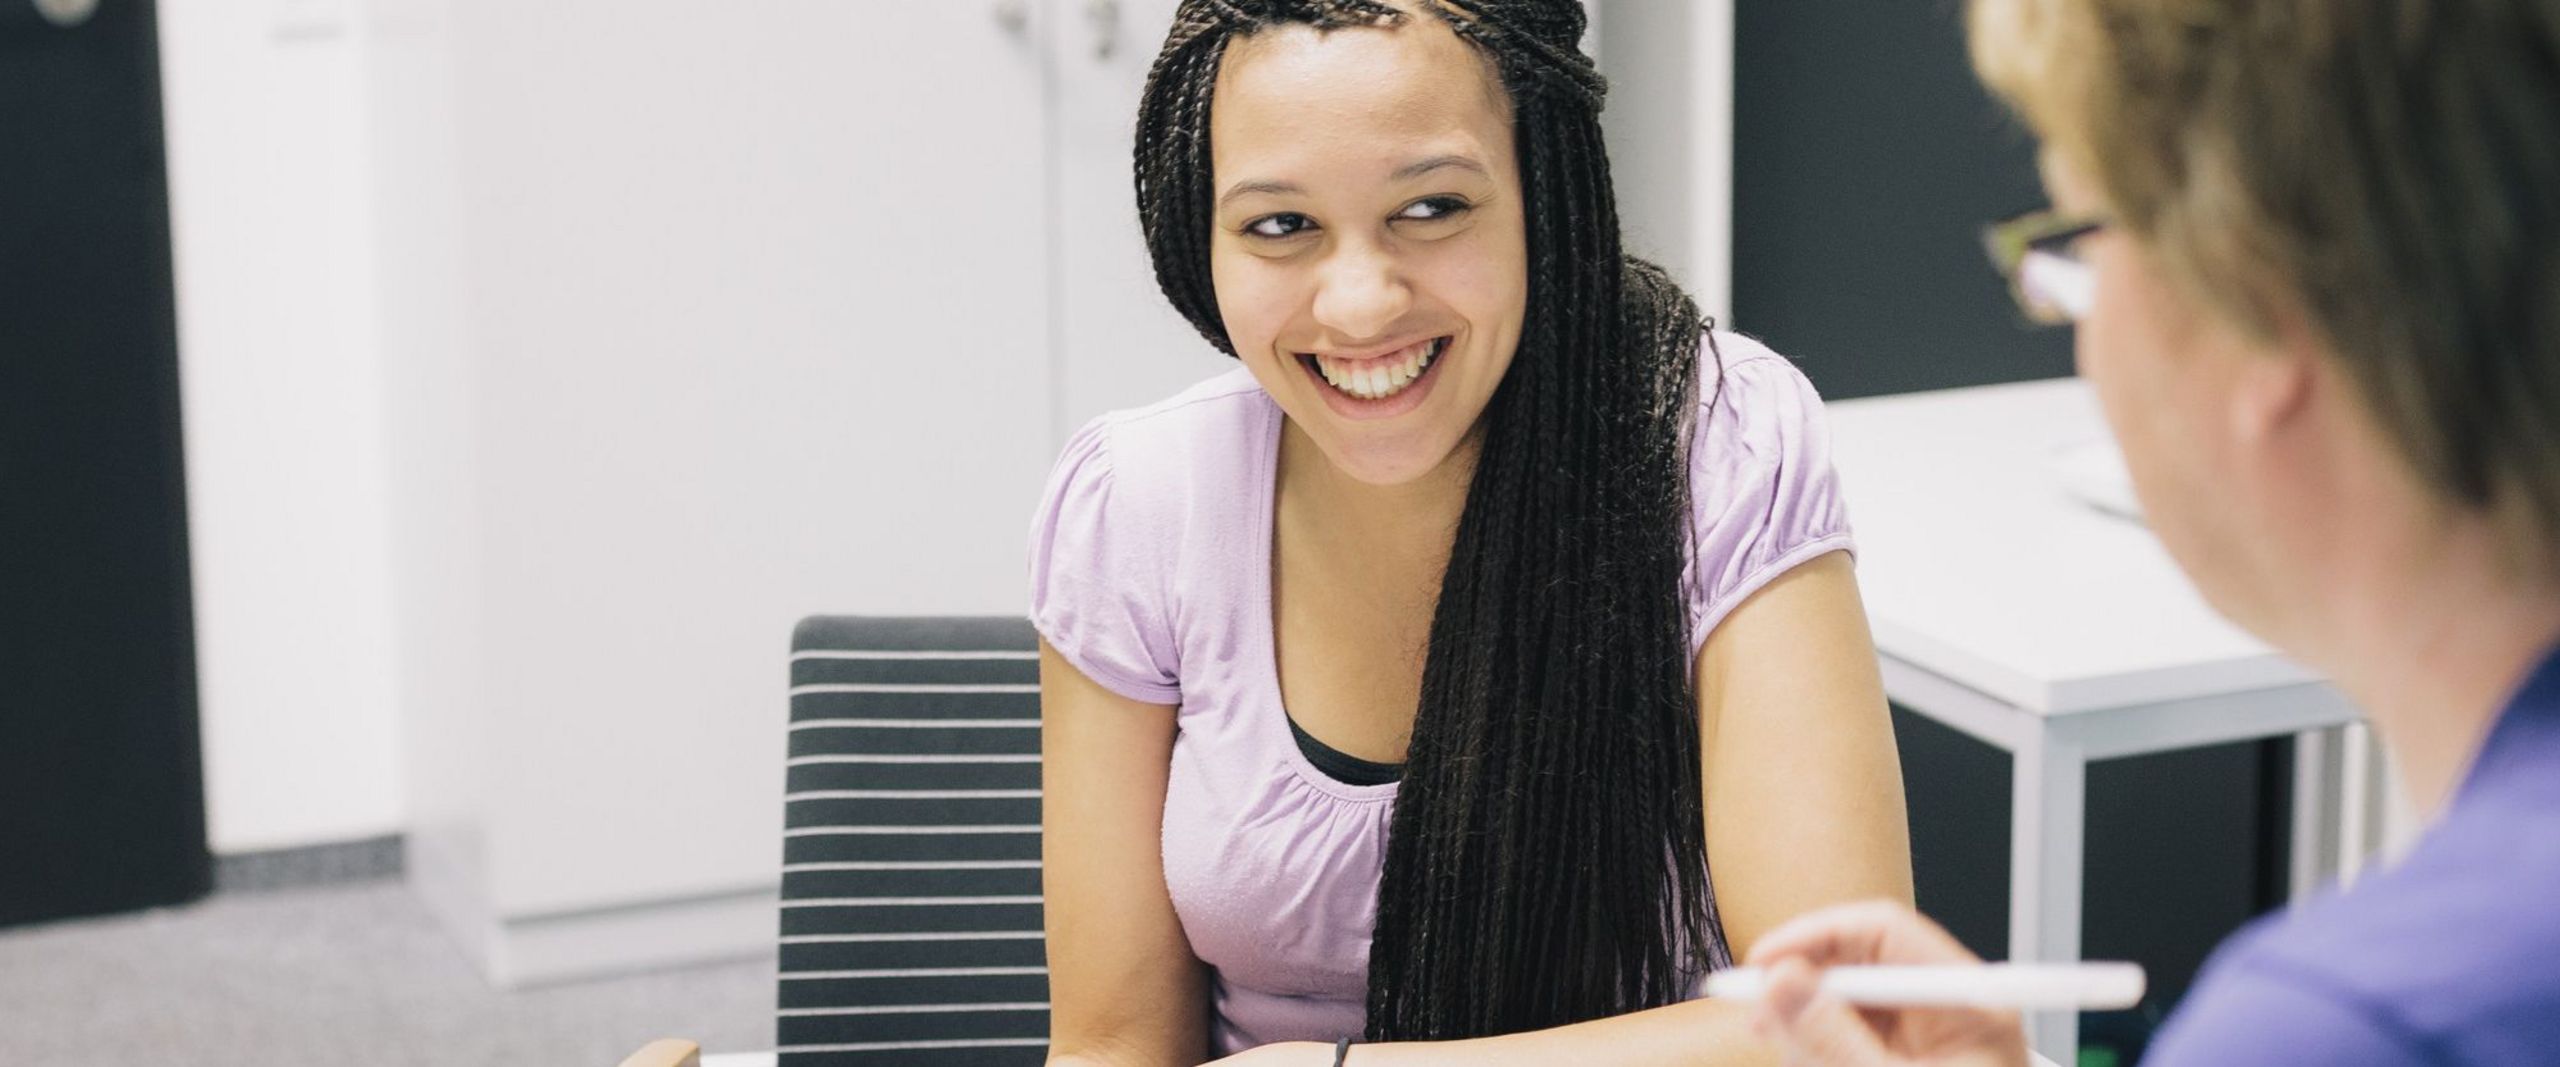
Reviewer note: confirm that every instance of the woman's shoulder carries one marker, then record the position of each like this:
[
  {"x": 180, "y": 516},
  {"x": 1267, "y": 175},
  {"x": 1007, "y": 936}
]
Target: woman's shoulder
[
  {"x": 1763, "y": 497},
  {"x": 1221, "y": 402},
  {"x": 1204, "y": 430},
  {"x": 1740, "y": 376},
  {"x": 1758, "y": 417},
  {"x": 1142, "y": 482},
  {"x": 1138, "y": 497}
]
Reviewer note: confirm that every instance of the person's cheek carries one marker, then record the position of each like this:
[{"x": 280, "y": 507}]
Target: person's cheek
[
  {"x": 1247, "y": 304},
  {"x": 1483, "y": 281}
]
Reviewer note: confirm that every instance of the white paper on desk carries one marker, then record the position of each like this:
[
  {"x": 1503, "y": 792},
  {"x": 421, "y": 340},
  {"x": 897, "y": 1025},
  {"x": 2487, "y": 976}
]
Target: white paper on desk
[{"x": 2093, "y": 472}]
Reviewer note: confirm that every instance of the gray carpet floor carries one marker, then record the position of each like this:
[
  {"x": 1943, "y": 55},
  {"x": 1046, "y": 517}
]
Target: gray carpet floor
[{"x": 336, "y": 975}]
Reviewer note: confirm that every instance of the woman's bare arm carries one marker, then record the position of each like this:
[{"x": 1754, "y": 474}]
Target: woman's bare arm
[
  {"x": 1124, "y": 988},
  {"x": 1803, "y": 781}
]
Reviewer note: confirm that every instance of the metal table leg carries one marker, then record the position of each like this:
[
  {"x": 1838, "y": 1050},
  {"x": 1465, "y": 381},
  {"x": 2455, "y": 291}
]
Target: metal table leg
[{"x": 2049, "y": 812}]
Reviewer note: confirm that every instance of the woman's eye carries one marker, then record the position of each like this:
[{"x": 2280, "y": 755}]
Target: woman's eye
[
  {"x": 1438, "y": 207},
  {"x": 1285, "y": 224}
]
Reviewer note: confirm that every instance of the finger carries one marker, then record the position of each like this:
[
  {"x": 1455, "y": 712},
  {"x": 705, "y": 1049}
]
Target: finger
[{"x": 1793, "y": 983}]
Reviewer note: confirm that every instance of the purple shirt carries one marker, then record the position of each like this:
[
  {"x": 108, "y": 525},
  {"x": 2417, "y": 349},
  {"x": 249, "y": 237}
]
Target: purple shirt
[
  {"x": 1151, "y": 571},
  {"x": 2450, "y": 957}
]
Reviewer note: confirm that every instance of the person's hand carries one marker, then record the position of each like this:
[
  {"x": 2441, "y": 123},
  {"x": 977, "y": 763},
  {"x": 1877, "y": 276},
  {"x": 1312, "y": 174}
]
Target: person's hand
[{"x": 1815, "y": 1029}]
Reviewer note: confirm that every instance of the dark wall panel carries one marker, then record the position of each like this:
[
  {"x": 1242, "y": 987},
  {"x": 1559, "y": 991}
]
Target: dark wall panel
[
  {"x": 1866, "y": 161},
  {"x": 102, "y": 804}
]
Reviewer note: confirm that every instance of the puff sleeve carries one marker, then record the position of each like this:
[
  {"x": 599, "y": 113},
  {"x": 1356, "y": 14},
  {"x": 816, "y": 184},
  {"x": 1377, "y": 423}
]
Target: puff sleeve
[
  {"x": 1763, "y": 496},
  {"x": 1099, "y": 572}
]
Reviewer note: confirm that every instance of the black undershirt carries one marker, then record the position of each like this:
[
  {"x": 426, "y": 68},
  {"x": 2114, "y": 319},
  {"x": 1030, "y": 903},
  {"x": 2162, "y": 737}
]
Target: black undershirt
[{"x": 1342, "y": 766}]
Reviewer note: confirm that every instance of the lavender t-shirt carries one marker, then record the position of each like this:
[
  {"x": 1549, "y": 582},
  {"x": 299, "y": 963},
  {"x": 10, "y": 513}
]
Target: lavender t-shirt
[
  {"x": 1151, "y": 571},
  {"x": 2452, "y": 956}
]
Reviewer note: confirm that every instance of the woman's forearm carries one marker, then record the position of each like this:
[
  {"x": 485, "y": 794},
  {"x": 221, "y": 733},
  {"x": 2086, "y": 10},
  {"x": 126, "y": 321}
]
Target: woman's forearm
[
  {"x": 1111, "y": 1056},
  {"x": 1696, "y": 1033}
]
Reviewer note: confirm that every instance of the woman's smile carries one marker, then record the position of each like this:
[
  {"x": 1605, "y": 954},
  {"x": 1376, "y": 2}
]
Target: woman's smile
[{"x": 1379, "y": 383}]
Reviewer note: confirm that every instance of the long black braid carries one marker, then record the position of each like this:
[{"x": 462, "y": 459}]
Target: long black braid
[{"x": 1546, "y": 863}]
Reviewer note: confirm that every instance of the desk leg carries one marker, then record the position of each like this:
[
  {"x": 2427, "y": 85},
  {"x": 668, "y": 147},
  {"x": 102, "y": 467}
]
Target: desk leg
[
  {"x": 2359, "y": 810},
  {"x": 2048, "y": 813},
  {"x": 2316, "y": 809}
]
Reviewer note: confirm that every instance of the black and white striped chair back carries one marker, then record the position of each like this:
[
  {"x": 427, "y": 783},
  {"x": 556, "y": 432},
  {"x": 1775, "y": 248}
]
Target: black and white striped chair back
[{"x": 911, "y": 846}]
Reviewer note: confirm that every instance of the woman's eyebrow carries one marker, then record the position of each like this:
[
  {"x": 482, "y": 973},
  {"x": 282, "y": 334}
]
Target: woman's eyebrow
[
  {"x": 1275, "y": 188},
  {"x": 1405, "y": 173},
  {"x": 1416, "y": 169}
]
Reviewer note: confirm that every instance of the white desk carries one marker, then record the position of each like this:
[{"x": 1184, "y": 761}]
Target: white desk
[{"x": 2008, "y": 610}]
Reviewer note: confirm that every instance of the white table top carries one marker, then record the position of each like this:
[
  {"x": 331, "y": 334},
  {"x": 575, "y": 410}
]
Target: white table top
[{"x": 1979, "y": 566}]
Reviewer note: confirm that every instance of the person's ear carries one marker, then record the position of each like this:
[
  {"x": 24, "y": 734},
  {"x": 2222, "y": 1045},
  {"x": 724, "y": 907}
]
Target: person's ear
[{"x": 2277, "y": 381}]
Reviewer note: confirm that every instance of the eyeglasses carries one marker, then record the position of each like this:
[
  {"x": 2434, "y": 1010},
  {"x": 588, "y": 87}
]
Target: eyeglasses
[{"x": 2035, "y": 253}]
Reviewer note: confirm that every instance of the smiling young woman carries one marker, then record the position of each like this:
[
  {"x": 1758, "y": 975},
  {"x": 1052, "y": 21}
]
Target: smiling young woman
[{"x": 1406, "y": 683}]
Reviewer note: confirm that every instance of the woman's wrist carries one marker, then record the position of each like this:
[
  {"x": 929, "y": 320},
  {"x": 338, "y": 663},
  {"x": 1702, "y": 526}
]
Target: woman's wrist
[{"x": 1284, "y": 1054}]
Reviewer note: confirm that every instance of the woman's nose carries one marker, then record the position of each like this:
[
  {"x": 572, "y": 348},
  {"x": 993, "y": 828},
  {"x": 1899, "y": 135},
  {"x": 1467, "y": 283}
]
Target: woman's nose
[{"x": 1362, "y": 295}]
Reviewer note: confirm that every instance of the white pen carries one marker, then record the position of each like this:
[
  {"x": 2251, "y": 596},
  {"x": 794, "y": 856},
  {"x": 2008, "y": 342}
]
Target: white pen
[{"x": 2017, "y": 986}]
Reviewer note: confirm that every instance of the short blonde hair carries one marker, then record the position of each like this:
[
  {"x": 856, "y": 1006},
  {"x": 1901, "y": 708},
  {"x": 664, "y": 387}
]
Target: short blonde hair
[{"x": 2387, "y": 170}]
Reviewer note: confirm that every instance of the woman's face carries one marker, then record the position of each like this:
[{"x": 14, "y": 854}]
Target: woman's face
[{"x": 1368, "y": 251}]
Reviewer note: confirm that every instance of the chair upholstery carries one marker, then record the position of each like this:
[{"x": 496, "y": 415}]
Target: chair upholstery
[{"x": 911, "y": 928}]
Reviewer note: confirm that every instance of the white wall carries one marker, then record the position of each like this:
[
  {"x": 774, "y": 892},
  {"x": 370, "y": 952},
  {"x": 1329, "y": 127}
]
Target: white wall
[
  {"x": 281, "y": 380},
  {"x": 1669, "y": 123},
  {"x": 684, "y": 344},
  {"x": 288, "y": 382},
  {"x": 294, "y": 376}
]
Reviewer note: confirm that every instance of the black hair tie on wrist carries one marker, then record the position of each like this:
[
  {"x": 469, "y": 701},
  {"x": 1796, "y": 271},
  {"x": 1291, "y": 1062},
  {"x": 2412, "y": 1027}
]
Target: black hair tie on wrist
[{"x": 1341, "y": 1050}]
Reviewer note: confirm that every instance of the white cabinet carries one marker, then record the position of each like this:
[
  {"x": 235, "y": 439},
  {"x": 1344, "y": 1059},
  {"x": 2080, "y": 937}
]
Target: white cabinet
[{"x": 698, "y": 319}]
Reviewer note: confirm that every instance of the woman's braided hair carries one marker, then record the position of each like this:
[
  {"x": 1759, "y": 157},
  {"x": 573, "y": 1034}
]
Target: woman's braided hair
[{"x": 1546, "y": 861}]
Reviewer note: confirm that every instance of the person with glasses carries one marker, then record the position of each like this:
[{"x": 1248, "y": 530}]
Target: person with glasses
[{"x": 2312, "y": 252}]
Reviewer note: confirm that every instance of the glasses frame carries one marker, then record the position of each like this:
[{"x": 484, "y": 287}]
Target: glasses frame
[{"x": 2010, "y": 241}]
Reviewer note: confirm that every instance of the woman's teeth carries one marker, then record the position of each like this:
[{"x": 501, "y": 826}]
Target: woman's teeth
[{"x": 1378, "y": 379}]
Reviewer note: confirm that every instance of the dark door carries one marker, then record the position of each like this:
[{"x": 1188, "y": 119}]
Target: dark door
[{"x": 101, "y": 789}]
